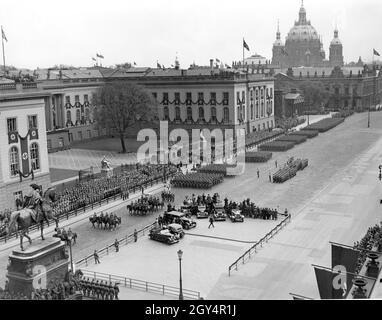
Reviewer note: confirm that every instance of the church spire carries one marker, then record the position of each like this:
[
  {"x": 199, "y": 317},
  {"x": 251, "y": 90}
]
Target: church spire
[
  {"x": 278, "y": 35},
  {"x": 302, "y": 14}
]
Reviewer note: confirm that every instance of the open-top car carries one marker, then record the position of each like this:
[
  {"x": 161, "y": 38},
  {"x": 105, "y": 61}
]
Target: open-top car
[
  {"x": 236, "y": 216},
  {"x": 163, "y": 235},
  {"x": 180, "y": 218},
  {"x": 176, "y": 229}
]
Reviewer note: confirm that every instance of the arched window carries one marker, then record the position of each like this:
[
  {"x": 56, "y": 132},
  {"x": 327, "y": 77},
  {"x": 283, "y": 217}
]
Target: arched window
[
  {"x": 213, "y": 114},
  {"x": 165, "y": 113},
  {"x": 14, "y": 161},
  {"x": 68, "y": 116},
  {"x": 262, "y": 109},
  {"x": 34, "y": 156},
  {"x": 87, "y": 114},
  {"x": 78, "y": 115},
  {"x": 177, "y": 113},
  {"x": 189, "y": 113},
  {"x": 201, "y": 113},
  {"x": 257, "y": 110},
  {"x": 226, "y": 114}
]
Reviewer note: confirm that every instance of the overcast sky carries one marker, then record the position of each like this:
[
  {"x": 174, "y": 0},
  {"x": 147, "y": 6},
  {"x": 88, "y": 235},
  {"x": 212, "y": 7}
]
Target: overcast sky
[{"x": 42, "y": 33}]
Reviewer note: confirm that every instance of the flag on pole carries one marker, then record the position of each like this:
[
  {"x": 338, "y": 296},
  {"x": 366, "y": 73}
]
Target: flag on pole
[
  {"x": 245, "y": 45},
  {"x": 159, "y": 66},
  {"x": 135, "y": 63},
  {"x": 376, "y": 53},
  {"x": 100, "y": 56},
  {"x": 217, "y": 60},
  {"x": 3, "y": 34},
  {"x": 94, "y": 59}
]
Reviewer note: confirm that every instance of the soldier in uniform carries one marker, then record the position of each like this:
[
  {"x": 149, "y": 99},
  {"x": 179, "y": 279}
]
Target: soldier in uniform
[{"x": 116, "y": 291}]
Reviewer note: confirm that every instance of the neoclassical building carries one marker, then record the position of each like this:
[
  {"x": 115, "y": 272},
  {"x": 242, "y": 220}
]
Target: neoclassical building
[{"x": 303, "y": 47}]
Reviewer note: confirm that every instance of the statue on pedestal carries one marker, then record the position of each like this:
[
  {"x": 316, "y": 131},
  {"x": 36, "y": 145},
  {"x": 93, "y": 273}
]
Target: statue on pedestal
[
  {"x": 37, "y": 208},
  {"x": 105, "y": 164}
]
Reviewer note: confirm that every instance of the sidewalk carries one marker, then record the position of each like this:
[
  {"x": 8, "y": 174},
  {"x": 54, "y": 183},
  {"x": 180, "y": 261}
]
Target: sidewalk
[{"x": 113, "y": 205}]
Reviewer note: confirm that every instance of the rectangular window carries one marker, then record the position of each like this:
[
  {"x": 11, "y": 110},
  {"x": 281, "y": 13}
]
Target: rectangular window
[
  {"x": 155, "y": 95},
  {"x": 32, "y": 122},
  {"x": 61, "y": 140},
  {"x": 188, "y": 98},
  {"x": 11, "y": 124},
  {"x": 200, "y": 98},
  {"x": 243, "y": 96},
  {"x": 86, "y": 98},
  {"x": 177, "y": 98},
  {"x": 213, "y": 98},
  {"x": 76, "y": 98},
  {"x": 89, "y": 134},
  {"x": 337, "y": 90},
  {"x": 225, "y": 98},
  {"x": 238, "y": 97},
  {"x": 347, "y": 91},
  {"x": 70, "y": 136},
  {"x": 49, "y": 143},
  {"x": 165, "y": 98},
  {"x": 67, "y": 99},
  {"x": 80, "y": 135}
]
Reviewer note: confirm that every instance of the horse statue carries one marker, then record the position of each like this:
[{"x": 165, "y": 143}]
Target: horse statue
[{"x": 36, "y": 210}]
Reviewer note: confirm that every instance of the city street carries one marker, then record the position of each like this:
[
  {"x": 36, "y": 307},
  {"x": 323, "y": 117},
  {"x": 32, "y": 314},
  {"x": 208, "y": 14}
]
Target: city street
[{"x": 334, "y": 199}]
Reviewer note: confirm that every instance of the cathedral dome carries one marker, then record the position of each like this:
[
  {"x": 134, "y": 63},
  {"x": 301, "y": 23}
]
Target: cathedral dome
[{"x": 302, "y": 32}]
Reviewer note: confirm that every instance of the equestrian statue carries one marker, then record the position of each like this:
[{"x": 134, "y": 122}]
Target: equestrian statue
[{"x": 36, "y": 209}]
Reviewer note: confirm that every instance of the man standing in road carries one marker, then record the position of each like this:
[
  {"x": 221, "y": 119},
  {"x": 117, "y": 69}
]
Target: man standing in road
[
  {"x": 96, "y": 257},
  {"x": 116, "y": 245},
  {"x": 135, "y": 235},
  {"x": 211, "y": 222}
]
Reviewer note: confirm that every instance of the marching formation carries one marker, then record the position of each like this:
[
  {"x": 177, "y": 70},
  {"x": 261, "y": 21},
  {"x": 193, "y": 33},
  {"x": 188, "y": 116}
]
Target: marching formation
[
  {"x": 197, "y": 180},
  {"x": 99, "y": 290},
  {"x": 289, "y": 170},
  {"x": 94, "y": 190}
]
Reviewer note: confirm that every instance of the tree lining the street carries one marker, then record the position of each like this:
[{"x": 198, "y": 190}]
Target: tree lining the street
[{"x": 122, "y": 105}]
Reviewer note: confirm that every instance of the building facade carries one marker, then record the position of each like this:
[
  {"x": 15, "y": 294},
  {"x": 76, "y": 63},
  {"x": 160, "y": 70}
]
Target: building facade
[
  {"x": 23, "y": 147},
  {"x": 357, "y": 89}
]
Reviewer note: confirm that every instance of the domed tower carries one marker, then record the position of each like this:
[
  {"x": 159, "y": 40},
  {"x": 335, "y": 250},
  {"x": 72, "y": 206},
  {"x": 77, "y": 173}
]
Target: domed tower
[
  {"x": 278, "y": 50},
  {"x": 303, "y": 44},
  {"x": 336, "y": 57}
]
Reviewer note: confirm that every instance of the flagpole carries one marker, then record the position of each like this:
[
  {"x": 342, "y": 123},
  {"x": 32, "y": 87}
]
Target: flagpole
[
  {"x": 243, "y": 53},
  {"x": 2, "y": 43}
]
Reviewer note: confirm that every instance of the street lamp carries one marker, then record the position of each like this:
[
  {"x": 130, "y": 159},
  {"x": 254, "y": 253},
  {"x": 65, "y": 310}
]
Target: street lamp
[
  {"x": 180, "y": 254},
  {"x": 71, "y": 255},
  {"x": 380, "y": 172}
]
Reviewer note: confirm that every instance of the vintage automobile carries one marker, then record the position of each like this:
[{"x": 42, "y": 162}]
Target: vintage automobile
[
  {"x": 236, "y": 216},
  {"x": 202, "y": 213},
  {"x": 176, "y": 229},
  {"x": 180, "y": 218},
  {"x": 220, "y": 216},
  {"x": 163, "y": 235},
  {"x": 186, "y": 209}
]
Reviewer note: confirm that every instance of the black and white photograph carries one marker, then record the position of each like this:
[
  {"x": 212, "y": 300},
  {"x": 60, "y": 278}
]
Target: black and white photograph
[{"x": 190, "y": 153}]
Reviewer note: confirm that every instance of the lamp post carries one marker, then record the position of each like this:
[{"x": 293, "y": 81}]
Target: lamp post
[
  {"x": 180, "y": 254},
  {"x": 380, "y": 172},
  {"x": 71, "y": 255}
]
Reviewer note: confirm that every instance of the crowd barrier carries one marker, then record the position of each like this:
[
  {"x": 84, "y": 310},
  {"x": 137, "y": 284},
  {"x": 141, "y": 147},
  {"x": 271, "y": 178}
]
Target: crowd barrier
[
  {"x": 266, "y": 238},
  {"x": 86, "y": 208},
  {"x": 143, "y": 285},
  {"x": 111, "y": 248}
]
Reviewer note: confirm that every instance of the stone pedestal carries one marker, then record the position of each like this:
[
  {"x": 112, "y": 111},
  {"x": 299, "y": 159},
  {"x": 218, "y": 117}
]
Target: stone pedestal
[
  {"x": 107, "y": 172},
  {"x": 40, "y": 263}
]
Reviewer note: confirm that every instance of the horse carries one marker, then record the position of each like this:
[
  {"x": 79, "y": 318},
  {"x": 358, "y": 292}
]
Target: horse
[{"x": 24, "y": 218}]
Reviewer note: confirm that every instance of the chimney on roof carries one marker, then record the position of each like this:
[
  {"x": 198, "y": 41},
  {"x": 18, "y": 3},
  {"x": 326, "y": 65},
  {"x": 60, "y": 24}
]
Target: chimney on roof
[{"x": 211, "y": 63}]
